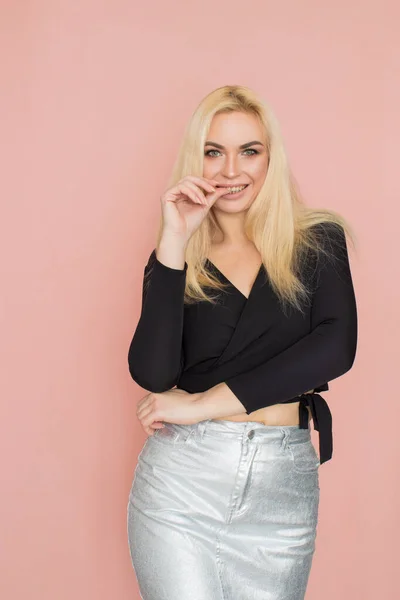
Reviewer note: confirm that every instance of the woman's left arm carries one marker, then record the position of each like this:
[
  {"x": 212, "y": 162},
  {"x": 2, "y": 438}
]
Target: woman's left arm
[{"x": 326, "y": 353}]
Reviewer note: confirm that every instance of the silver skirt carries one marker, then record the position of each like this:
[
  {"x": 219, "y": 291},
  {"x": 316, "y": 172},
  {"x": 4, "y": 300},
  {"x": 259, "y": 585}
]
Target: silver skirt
[{"x": 224, "y": 510}]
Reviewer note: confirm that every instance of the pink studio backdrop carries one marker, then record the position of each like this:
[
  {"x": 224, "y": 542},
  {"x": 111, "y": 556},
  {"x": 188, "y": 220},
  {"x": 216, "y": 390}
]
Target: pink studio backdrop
[{"x": 95, "y": 97}]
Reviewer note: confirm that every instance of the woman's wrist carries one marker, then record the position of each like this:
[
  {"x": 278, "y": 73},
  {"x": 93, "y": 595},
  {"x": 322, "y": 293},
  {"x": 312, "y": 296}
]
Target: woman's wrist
[{"x": 171, "y": 251}]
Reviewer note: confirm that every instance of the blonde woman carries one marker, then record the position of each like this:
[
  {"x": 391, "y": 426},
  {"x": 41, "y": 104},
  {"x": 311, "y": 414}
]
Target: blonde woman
[{"x": 248, "y": 311}]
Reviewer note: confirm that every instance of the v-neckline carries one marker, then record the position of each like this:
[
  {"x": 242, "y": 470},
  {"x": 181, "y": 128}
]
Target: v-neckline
[{"x": 246, "y": 298}]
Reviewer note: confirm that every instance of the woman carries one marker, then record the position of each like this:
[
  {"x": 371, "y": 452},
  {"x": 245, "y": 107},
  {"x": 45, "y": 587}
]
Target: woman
[{"x": 248, "y": 310}]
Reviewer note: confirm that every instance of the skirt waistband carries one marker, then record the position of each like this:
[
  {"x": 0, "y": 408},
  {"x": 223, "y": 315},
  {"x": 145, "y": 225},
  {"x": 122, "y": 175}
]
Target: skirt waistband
[{"x": 241, "y": 430}]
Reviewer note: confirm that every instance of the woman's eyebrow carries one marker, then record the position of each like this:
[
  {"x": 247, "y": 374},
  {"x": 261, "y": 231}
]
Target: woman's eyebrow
[{"x": 255, "y": 142}]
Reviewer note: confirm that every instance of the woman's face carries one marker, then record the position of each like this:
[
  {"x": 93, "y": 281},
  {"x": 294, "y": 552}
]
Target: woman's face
[{"x": 232, "y": 165}]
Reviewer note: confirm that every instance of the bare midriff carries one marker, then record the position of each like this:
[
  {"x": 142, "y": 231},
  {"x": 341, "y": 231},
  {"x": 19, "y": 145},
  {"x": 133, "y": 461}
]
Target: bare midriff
[{"x": 277, "y": 414}]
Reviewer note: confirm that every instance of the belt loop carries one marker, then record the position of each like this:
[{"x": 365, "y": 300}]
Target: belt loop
[
  {"x": 189, "y": 434},
  {"x": 202, "y": 428},
  {"x": 285, "y": 438}
]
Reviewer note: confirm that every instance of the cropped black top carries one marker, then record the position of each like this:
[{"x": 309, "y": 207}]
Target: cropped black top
[{"x": 264, "y": 354}]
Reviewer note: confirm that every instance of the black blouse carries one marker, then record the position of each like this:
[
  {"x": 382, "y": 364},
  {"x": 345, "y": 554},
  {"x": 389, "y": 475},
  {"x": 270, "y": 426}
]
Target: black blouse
[{"x": 264, "y": 354}]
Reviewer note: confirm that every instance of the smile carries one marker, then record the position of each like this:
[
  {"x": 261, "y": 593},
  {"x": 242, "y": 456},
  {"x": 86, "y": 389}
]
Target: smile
[{"x": 234, "y": 190}]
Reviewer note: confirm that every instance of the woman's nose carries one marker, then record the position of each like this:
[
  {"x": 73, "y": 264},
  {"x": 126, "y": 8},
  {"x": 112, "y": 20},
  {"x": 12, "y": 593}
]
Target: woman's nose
[{"x": 231, "y": 166}]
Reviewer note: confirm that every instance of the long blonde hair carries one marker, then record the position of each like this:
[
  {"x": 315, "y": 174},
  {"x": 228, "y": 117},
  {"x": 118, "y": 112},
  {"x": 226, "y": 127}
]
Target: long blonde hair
[{"x": 278, "y": 222}]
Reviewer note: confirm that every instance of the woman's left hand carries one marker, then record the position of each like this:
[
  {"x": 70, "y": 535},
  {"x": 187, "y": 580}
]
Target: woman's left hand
[{"x": 172, "y": 406}]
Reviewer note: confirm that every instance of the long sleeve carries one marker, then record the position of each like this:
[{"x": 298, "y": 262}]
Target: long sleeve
[
  {"x": 155, "y": 354},
  {"x": 326, "y": 353}
]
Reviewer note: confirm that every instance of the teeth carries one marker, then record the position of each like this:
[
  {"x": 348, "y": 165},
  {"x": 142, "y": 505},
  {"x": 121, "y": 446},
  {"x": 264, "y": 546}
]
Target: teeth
[{"x": 233, "y": 190}]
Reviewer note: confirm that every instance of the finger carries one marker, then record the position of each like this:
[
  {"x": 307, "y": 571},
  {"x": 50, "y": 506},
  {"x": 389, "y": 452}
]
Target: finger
[
  {"x": 143, "y": 403},
  {"x": 149, "y": 420},
  {"x": 152, "y": 416},
  {"x": 143, "y": 413},
  {"x": 197, "y": 191},
  {"x": 147, "y": 427},
  {"x": 218, "y": 192},
  {"x": 212, "y": 198},
  {"x": 190, "y": 193},
  {"x": 181, "y": 189},
  {"x": 156, "y": 425},
  {"x": 202, "y": 182},
  {"x": 145, "y": 408},
  {"x": 149, "y": 430}
]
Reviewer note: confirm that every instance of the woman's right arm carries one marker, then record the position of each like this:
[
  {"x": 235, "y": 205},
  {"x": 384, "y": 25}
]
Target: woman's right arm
[{"x": 155, "y": 355}]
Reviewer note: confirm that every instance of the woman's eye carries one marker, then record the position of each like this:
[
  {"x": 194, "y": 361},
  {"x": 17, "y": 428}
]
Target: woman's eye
[{"x": 208, "y": 153}]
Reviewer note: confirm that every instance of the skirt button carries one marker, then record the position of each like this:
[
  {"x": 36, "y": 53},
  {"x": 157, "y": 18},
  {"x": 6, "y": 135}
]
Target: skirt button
[{"x": 251, "y": 434}]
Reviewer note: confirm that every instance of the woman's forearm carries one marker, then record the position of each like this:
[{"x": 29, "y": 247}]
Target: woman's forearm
[{"x": 219, "y": 401}]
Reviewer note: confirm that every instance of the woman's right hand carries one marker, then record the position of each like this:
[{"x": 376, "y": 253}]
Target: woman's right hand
[{"x": 185, "y": 205}]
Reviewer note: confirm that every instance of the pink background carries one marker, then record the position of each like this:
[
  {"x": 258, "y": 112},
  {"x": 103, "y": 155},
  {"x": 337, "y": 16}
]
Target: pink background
[{"x": 95, "y": 96}]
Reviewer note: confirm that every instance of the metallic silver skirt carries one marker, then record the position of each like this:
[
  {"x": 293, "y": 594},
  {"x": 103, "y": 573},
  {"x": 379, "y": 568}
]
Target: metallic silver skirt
[{"x": 224, "y": 510}]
